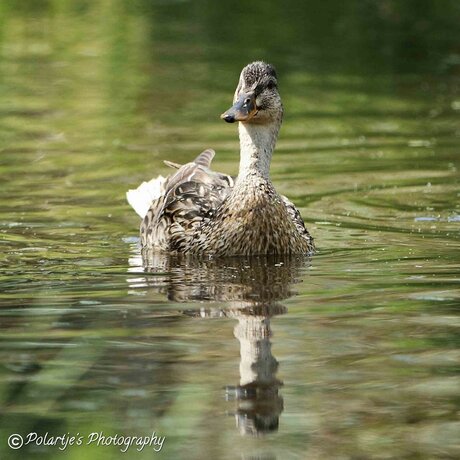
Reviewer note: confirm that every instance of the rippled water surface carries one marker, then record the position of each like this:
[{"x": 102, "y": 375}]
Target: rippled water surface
[{"x": 352, "y": 354}]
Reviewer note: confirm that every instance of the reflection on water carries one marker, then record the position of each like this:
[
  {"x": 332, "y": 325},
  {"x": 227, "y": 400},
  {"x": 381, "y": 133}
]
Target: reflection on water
[
  {"x": 244, "y": 282},
  {"x": 259, "y": 403},
  {"x": 251, "y": 289}
]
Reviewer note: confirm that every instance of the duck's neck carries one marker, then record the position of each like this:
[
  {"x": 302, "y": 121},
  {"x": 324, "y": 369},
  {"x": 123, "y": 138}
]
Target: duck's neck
[{"x": 257, "y": 142}]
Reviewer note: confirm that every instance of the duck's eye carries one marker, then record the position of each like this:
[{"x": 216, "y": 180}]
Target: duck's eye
[{"x": 247, "y": 101}]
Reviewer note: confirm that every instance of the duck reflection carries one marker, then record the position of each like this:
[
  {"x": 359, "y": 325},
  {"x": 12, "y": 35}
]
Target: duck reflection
[
  {"x": 258, "y": 401},
  {"x": 250, "y": 289}
]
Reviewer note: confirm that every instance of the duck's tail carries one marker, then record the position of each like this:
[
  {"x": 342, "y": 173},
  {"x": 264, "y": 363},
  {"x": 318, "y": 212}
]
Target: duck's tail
[{"x": 142, "y": 197}]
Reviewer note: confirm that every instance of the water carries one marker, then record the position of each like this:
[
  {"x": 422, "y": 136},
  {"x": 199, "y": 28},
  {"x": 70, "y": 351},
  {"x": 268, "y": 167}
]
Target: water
[{"x": 351, "y": 354}]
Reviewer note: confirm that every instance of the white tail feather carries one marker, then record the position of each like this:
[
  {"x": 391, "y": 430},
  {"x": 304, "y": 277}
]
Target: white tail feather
[{"x": 142, "y": 197}]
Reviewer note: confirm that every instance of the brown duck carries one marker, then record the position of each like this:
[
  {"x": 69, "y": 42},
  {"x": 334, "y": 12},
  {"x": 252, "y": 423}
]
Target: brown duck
[{"x": 199, "y": 211}]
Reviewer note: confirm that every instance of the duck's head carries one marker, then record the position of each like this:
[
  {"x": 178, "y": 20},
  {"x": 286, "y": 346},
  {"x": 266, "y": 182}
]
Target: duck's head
[{"x": 256, "y": 97}]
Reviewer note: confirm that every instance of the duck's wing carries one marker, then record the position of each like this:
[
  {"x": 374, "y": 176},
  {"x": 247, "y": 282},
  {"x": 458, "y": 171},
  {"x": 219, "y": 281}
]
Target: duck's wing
[
  {"x": 191, "y": 196},
  {"x": 295, "y": 216}
]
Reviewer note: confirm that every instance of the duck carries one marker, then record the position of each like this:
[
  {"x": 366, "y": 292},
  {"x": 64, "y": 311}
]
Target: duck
[{"x": 198, "y": 211}]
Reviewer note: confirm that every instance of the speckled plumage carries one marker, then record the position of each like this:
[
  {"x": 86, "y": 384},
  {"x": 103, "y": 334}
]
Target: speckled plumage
[{"x": 204, "y": 212}]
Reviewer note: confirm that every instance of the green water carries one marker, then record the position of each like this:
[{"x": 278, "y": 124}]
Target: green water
[{"x": 352, "y": 354}]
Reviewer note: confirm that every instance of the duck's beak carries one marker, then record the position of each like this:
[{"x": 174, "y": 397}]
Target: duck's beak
[{"x": 242, "y": 110}]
